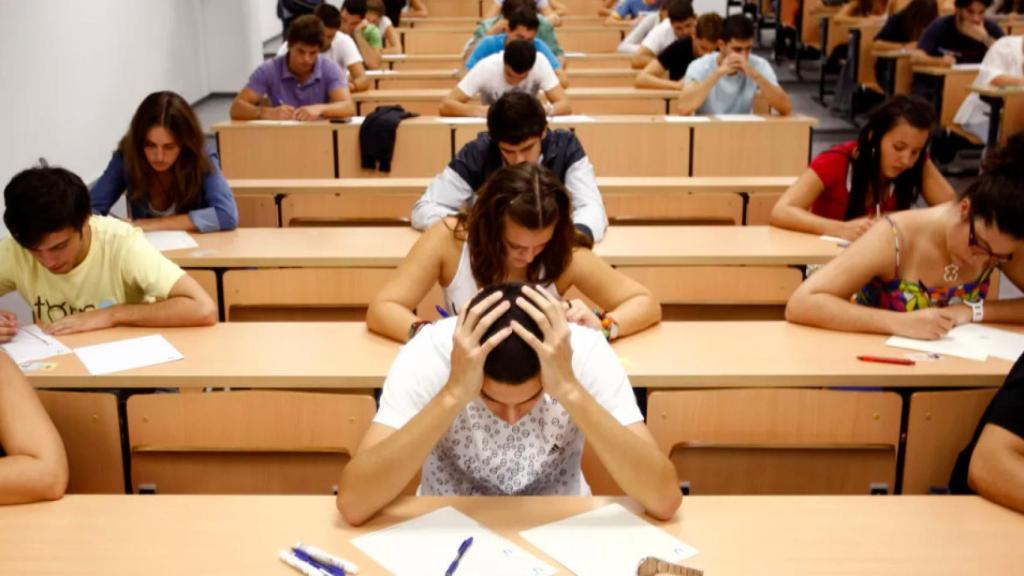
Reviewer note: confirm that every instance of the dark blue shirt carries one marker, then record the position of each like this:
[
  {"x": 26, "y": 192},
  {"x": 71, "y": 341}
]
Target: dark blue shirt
[{"x": 942, "y": 37}]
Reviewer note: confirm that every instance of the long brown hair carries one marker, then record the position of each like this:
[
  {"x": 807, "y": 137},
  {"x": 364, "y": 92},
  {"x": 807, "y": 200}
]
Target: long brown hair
[
  {"x": 532, "y": 197},
  {"x": 171, "y": 112}
]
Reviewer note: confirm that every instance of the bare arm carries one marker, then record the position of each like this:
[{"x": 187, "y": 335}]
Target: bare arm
[
  {"x": 996, "y": 471},
  {"x": 845, "y": 15},
  {"x": 1009, "y": 311},
  {"x": 921, "y": 58},
  {"x": 559, "y": 101},
  {"x": 934, "y": 186},
  {"x": 341, "y": 105},
  {"x": 246, "y": 106},
  {"x": 630, "y": 303},
  {"x": 1004, "y": 80},
  {"x": 456, "y": 103},
  {"x": 36, "y": 467},
  {"x": 642, "y": 58},
  {"x": 417, "y": 9},
  {"x": 774, "y": 94},
  {"x": 371, "y": 56},
  {"x": 359, "y": 80},
  {"x": 695, "y": 93},
  {"x": 176, "y": 222},
  {"x": 655, "y": 76},
  {"x": 793, "y": 211},
  {"x": 392, "y": 44}
]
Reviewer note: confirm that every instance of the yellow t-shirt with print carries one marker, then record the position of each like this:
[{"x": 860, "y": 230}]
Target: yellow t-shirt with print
[{"x": 122, "y": 267}]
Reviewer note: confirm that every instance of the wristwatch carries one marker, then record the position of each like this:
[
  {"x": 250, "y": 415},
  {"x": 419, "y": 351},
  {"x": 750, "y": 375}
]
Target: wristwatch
[{"x": 977, "y": 310}]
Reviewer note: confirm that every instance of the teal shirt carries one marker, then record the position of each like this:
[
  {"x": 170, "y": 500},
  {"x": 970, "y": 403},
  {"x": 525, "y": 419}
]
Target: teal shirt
[{"x": 546, "y": 32}]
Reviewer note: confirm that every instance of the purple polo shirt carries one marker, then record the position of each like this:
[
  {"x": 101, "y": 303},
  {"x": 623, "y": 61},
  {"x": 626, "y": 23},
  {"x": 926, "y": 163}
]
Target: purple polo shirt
[{"x": 276, "y": 81}]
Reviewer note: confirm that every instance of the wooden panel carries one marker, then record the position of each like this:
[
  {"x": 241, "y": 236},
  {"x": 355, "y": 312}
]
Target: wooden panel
[
  {"x": 759, "y": 208},
  {"x": 392, "y": 83},
  {"x": 434, "y": 40},
  {"x": 955, "y": 89},
  {"x": 939, "y": 426},
  {"x": 595, "y": 39},
  {"x": 454, "y": 7},
  {"x": 810, "y": 33},
  {"x": 598, "y": 60},
  {"x": 866, "y": 59},
  {"x": 261, "y": 151},
  {"x": 837, "y": 34},
  {"x": 423, "y": 108},
  {"x": 599, "y": 81},
  {"x": 596, "y": 106},
  {"x": 347, "y": 209},
  {"x": 207, "y": 279},
  {"x": 673, "y": 208},
  {"x": 245, "y": 442},
  {"x": 422, "y": 148},
  {"x": 257, "y": 211},
  {"x": 655, "y": 148},
  {"x": 717, "y": 284},
  {"x": 772, "y": 441},
  {"x": 769, "y": 148},
  {"x": 1013, "y": 117},
  {"x": 89, "y": 425}
]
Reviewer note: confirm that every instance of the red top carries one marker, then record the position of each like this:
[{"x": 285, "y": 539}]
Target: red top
[{"x": 833, "y": 168}]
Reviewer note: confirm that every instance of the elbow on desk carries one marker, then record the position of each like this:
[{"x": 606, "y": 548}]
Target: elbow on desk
[{"x": 350, "y": 511}]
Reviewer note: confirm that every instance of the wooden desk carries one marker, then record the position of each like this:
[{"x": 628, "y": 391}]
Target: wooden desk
[
  {"x": 946, "y": 88},
  {"x": 468, "y": 23},
  {"x": 898, "y": 72},
  {"x": 736, "y": 535},
  {"x": 422, "y": 147},
  {"x": 448, "y": 78},
  {"x": 585, "y": 100},
  {"x": 276, "y": 150},
  {"x": 1007, "y": 112},
  {"x": 774, "y": 146},
  {"x": 573, "y": 60},
  {"x": 458, "y": 8},
  {"x": 452, "y": 40}
]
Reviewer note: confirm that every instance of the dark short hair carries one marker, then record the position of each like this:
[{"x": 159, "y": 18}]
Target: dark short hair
[
  {"x": 737, "y": 27},
  {"x": 523, "y": 16},
  {"x": 42, "y": 201},
  {"x": 510, "y": 6},
  {"x": 513, "y": 361},
  {"x": 376, "y": 6},
  {"x": 680, "y": 10},
  {"x": 997, "y": 196},
  {"x": 967, "y": 3},
  {"x": 355, "y": 7},
  {"x": 515, "y": 117},
  {"x": 307, "y": 29},
  {"x": 329, "y": 15},
  {"x": 709, "y": 27},
  {"x": 520, "y": 55}
]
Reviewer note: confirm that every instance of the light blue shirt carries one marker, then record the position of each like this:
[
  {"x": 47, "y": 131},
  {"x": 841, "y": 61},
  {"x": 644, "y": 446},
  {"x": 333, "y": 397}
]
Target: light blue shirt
[
  {"x": 732, "y": 94},
  {"x": 494, "y": 44}
]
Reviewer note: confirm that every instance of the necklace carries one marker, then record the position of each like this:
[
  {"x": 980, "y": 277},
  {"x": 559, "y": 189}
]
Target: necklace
[{"x": 951, "y": 272}]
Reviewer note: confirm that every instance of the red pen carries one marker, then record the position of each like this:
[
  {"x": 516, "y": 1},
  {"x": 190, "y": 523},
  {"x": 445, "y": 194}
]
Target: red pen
[{"x": 886, "y": 360}]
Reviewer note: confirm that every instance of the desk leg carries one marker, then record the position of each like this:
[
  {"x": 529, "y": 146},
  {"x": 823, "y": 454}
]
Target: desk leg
[
  {"x": 799, "y": 43},
  {"x": 890, "y": 79},
  {"x": 995, "y": 122},
  {"x": 853, "y": 62},
  {"x": 823, "y": 23}
]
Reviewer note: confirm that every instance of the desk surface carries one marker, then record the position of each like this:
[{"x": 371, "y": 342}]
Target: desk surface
[
  {"x": 569, "y": 56},
  {"x": 386, "y": 246},
  {"x": 669, "y": 355},
  {"x": 995, "y": 92},
  {"x": 581, "y": 93},
  {"x": 939, "y": 71},
  {"x": 735, "y": 535}
]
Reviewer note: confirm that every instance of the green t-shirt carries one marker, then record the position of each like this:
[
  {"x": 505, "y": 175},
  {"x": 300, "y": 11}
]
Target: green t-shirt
[
  {"x": 546, "y": 32},
  {"x": 373, "y": 36}
]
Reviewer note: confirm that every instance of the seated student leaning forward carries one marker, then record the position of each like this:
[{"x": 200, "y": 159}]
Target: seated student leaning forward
[
  {"x": 172, "y": 182},
  {"x": 846, "y": 189},
  {"x": 301, "y": 85},
  {"x": 81, "y": 273},
  {"x": 919, "y": 273},
  {"x": 518, "y": 230},
  {"x": 725, "y": 82},
  {"x": 498, "y": 401},
  {"x": 33, "y": 465}
]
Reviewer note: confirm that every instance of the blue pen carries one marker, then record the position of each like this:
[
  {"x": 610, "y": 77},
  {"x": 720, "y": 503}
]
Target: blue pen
[
  {"x": 440, "y": 310},
  {"x": 462, "y": 552},
  {"x": 332, "y": 570}
]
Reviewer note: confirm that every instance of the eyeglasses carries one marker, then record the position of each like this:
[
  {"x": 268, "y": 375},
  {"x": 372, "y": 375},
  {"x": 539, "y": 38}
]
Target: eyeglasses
[{"x": 974, "y": 242}]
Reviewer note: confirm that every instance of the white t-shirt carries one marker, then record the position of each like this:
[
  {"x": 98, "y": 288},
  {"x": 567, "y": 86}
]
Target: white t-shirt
[
  {"x": 541, "y": 4},
  {"x": 631, "y": 43},
  {"x": 1004, "y": 57},
  {"x": 343, "y": 51},
  {"x": 660, "y": 37},
  {"x": 487, "y": 79},
  {"x": 481, "y": 454}
]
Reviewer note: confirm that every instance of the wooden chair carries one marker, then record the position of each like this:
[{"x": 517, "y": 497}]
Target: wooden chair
[
  {"x": 88, "y": 423},
  {"x": 941, "y": 424},
  {"x": 259, "y": 442},
  {"x": 779, "y": 441}
]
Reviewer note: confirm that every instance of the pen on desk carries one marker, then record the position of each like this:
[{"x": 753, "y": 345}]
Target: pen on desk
[
  {"x": 440, "y": 310},
  {"x": 886, "y": 360},
  {"x": 308, "y": 559},
  {"x": 458, "y": 556},
  {"x": 326, "y": 558},
  {"x": 289, "y": 558}
]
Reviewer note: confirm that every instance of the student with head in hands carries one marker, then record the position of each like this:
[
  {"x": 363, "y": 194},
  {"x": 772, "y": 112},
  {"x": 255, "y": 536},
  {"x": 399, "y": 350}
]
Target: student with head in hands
[
  {"x": 519, "y": 229},
  {"x": 545, "y": 7},
  {"x": 919, "y": 273},
  {"x": 79, "y": 272},
  {"x": 172, "y": 181},
  {"x": 499, "y": 401},
  {"x": 667, "y": 70},
  {"x": 376, "y": 14},
  {"x": 364, "y": 33},
  {"x": 960, "y": 38},
  {"x": 517, "y": 69},
  {"x": 847, "y": 188},
  {"x": 726, "y": 81},
  {"x": 339, "y": 47},
  {"x": 523, "y": 23},
  {"x": 678, "y": 23},
  {"x": 33, "y": 465},
  {"x": 517, "y": 132},
  {"x": 301, "y": 85}
]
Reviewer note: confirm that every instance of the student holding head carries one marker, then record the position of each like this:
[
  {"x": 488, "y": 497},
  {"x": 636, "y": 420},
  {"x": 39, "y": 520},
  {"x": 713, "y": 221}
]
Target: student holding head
[
  {"x": 725, "y": 82},
  {"x": 79, "y": 273},
  {"x": 33, "y": 465},
  {"x": 519, "y": 229},
  {"x": 499, "y": 401},
  {"x": 1002, "y": 66},
  {"x": 517, "y": 132},
  {"x": 902, "y": 31},
  {"x": 884, "y": 170},
  {"x": 301, "y": 85},
  {"x": 919, "y": 273},
  {"x": 679, "y": 22},
  {"x": 376, "y": 14},
  {"x": 960, "y": 38},
  {"x": 515, "y": 69},
  {"x": 675, "y": 59},
  {"x": 632, "y": 9},
  {"x": 523, "y": 24},
  {"x": 172, "y": 181},
  {"x": 367, "y": 37},
  {"x": 339, "y": 47},
  {"x": 500, "y": 25}
]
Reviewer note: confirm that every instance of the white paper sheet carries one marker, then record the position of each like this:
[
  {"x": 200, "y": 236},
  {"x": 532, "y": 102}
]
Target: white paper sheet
[
  {"x": 955, "y": 343},
  {"x": 609, "y": 540},
  {"x": 127, "y": 354},
  {"x": 31, "y": 343},
  {"x": 356, "y": 120},
  {"x": 575, "y": 54},
  {"x": 577, "y": 118},
  {"x": 687, "y": 119},
  {"x": 999, "y": 343},
  {"x": 428, "y": 544},
  {"x": 276, "y": 122},
  {"x": 740, "y": 117},
  {"x": 966, "y": 66},
  {"x": 461, "y": 120},
  {"x": 379, "y": 73},
  {"x": 166, "y": 240}
]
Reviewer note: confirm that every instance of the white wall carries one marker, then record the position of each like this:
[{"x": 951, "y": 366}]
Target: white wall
[
  {"x": 233, "y": 44},
  {"x": 270, "y": 25}
]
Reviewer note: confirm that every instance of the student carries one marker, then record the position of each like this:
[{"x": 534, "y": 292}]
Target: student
[
  {"x": 375, "y": 13},
  {"x": 919, "y": 273},
  {"x": 339, "y": 47},
  {"x": 79, "y": 273},
  {"x": 518, "y": 229},
  {"x": 302, "y": 85},
  {"x": 523, "y": 24},
  {"x": 499, "y": 401},
  {"x": 632, "y": 9},
  {"x": 172, "y": 182},
  {"x": 517, "y": 131},
  {"x": 675, "y": 59},
  {"x": 33, "y": 465},
  {"x": 1002, "y": 66},
  {"x": 678, "y": 24},
  {"x": 901, "y": 31},
  {"x": 853, "y": 13},
  {"x": 885, "y": 169},
  {"x": 960, "y": 38},
  {"x": 643, "y": 25},
  {"x": 515, "y": 69},
  {"x": 366, "y": 36},
  {"x": 544, "y": 7},
  {"x": 499, "y": 25},
  {"x": 725, "y": 82}
]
